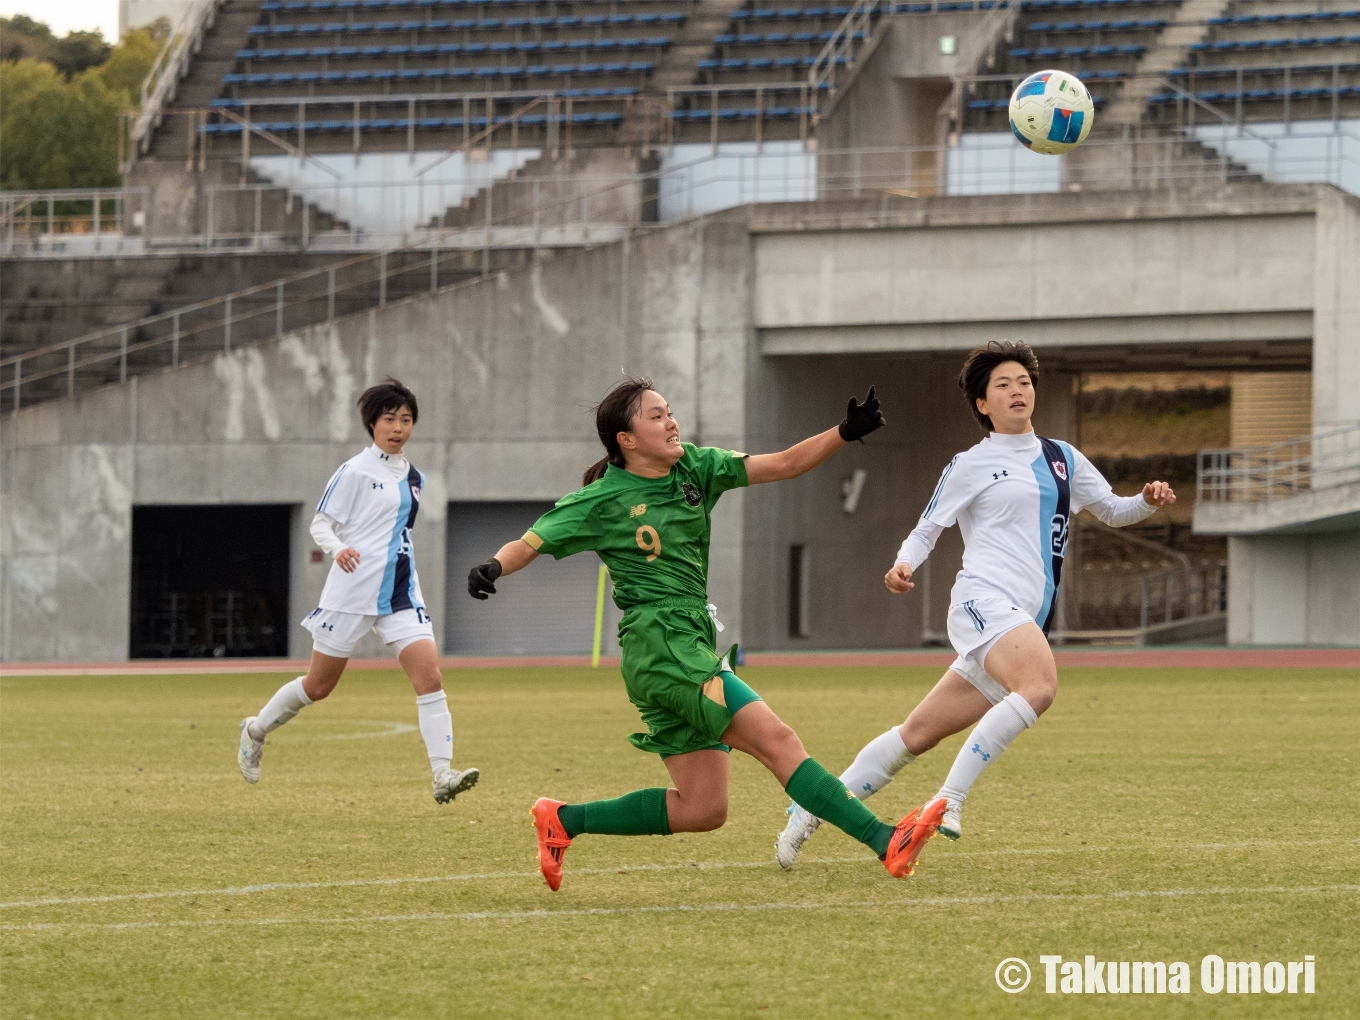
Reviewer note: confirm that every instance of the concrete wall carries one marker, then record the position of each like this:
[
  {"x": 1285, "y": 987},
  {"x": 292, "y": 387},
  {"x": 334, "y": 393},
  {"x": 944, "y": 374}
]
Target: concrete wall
[
  {"x": 1088, "y": 275},
  {"x": 507, "y": 369},
  {"x": 1294, "y": 589},
  {"x": 1336, "y": 311},
  {"x": 929, "y": 422}
]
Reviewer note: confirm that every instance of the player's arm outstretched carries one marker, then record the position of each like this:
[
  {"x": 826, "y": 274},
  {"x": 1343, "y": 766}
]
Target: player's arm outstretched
[
  {"x": 510, "y": 557},
  {"x": 860, "y": 420}
]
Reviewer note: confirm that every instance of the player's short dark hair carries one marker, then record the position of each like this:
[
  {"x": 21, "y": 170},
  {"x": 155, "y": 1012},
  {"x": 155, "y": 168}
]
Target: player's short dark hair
[
  {"x": 614, "y": 414},
  {"x": 384, "y": 398},
  {"x": 977, "y": 371}
]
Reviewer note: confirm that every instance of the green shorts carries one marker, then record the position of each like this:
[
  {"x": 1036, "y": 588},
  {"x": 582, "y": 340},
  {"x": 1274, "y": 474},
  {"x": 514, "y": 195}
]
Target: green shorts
[{"x": 676, "y": 679}]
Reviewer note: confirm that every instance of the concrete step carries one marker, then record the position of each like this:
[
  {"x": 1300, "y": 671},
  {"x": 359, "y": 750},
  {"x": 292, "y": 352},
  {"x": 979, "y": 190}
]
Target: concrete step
[{"x": 693, "y": 43}]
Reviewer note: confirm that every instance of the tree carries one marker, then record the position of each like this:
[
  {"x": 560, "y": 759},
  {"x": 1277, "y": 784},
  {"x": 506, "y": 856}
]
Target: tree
[
  {"x": 79, "y": 51},
  {"x": 59, "y": 130},
  {"x": 22, "y": 38}
]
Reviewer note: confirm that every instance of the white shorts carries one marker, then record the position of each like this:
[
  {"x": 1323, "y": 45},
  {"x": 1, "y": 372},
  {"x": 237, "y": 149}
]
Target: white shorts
[
  {"x": 975, "y": 625},
  {"x": 335, "y": 633}
]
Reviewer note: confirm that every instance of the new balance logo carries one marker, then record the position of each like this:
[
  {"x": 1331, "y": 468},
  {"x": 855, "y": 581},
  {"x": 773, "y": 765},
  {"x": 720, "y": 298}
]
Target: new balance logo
[
  {"x": 638, "y": 510},
  {"x": 977, "y": 749}
]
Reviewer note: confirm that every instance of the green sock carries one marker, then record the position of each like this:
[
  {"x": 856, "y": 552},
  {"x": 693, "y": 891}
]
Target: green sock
[
  {"x": 817, "y": 791},
  {"x": 640, "y": 813}
]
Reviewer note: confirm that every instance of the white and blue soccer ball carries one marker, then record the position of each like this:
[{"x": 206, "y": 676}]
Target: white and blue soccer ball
[{"x": 1052, "y": 112}]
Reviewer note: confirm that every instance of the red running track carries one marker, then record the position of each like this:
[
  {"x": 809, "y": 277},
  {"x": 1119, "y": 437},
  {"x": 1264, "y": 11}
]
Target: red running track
[{"x": 1097, "y": 658}]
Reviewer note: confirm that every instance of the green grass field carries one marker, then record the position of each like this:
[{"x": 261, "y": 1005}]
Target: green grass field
[{"x": 1151, "y": 815}]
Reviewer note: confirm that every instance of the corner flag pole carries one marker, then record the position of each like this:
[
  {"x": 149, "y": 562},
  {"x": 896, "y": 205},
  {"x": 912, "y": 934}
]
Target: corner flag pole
[{"x": 599, "y": 616}]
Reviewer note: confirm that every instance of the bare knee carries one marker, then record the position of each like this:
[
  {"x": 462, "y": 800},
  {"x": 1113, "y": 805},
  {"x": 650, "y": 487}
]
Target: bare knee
[
  {"x": 318, "y": 690},
  {"x": 1038, "y": 690},
  {"x": 783, "y": 742},
  {"x": 919, "y": 735},
  {"x": 710, "y": 817}
]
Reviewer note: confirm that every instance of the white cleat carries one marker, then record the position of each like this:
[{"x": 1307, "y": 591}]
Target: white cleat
[
  {"x": 249, "y": 753},
  {"x": 801, "y": 826},
  {"x": 951, "y": 825},
  {"x": 450, "y": 783}
]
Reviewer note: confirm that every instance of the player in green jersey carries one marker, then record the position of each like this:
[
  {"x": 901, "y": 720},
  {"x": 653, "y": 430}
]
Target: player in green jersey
[{"x": 644, "y": 508}]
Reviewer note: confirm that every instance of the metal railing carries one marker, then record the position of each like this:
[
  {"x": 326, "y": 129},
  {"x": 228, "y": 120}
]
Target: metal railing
[
  {"x": 269, "y": 310},
  {"x": 162, "y": 81},
  {"x": 530, "y": 221},
  {"x": 853, "y": 32},
  {"x": 339, "y": 215},
  {"x": 1181, "y": 596},
  {"x": 77, "y": 220},
  {"x": 1257, "y": 474}
]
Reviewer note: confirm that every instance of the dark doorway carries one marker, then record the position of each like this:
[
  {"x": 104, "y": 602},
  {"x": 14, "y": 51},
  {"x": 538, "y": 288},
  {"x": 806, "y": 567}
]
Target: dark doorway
[{"x": 210, "y": 581}]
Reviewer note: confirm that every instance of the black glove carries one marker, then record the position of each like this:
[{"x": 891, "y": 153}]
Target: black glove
[
  {"x": 861, "y": 419},
  {"x": 482, "y": 579}
]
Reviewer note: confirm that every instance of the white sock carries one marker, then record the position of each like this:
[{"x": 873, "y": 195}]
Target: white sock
[
  {"x": 288, "y": 701},
  {"x": 874, "y": 767},
  {"x": 1003, "y": 722},
  {"x": 436, "y": 726}
]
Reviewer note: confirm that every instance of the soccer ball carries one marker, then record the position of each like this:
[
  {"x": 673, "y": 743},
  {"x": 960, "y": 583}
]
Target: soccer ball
[{"x": 1052, "y": 112}]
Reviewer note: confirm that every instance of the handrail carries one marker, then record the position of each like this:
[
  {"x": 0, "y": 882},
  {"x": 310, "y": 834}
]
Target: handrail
[
  {"x": 1183, "y": 595},
  {"x": 1279, "y": 470},
  {"x": 999, "y": 20},
  {"x": 486, "y": 132},
  {"x": 842, "y": 44},
  {"x": 169, "y": 65},
  {"x": 278, "y": 288},
  {"x": 287, "y": 146}
]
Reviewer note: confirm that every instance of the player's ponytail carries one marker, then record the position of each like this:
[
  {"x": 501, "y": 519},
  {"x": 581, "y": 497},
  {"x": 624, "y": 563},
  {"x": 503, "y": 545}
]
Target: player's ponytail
[{"x": 614, "y": 414}]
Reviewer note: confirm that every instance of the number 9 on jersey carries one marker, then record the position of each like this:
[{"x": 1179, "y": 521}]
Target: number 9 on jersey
[{"x": 649, "y": 541}]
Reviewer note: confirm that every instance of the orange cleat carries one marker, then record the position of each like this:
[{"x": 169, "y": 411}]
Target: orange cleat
[
  {"x": 910, "y": 836},
  {"x": 552, "y": 840}
]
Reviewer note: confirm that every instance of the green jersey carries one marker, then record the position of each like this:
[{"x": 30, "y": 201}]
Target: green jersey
[{"x": 652, "y": 533}]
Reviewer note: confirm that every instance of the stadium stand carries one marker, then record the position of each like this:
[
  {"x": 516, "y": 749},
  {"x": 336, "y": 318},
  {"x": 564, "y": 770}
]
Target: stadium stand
[{"x": 1277, "y": 61}]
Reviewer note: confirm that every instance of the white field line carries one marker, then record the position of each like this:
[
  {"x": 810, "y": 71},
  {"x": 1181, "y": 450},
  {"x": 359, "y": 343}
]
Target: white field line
[
  {"x": 390, "y": 729},
  {"x": 702, "y": 908},
  {"x": 243, "y": 890}
]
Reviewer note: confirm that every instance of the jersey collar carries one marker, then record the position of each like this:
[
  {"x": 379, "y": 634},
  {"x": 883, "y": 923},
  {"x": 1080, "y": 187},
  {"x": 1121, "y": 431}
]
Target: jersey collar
[
  {"x": 396, "y": 464},
  {"x": 1026, "y": 442}
]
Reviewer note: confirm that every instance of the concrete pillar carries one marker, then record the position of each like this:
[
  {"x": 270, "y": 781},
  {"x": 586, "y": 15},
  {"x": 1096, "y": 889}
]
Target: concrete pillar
[
  {"x": 893, "y": 100},
  {"x": 1336, "y": 311}
]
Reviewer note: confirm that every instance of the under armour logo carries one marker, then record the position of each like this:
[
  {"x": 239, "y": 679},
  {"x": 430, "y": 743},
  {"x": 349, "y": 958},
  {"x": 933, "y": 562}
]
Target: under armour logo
[
  {"x": 1000, "y": 474},
  {"x": 327, "y": 626},
  {"x": 376, "y": 485},
  {"x": 977, "y": 749},
  {"x": 869, "y": 787}
]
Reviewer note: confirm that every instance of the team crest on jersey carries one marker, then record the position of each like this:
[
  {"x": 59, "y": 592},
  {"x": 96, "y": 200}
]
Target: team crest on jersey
[
  {"x": 415, "y": 492},
  {"x": 1060, "y": 469},
  {"x": 692, "y": 495}
]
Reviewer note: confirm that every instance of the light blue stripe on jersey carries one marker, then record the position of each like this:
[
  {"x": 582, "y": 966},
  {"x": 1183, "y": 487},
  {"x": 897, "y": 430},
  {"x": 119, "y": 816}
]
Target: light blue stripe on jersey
[
  {"x": 331, "y": 488},
  {"x": 939, "y": 487},
  {"x": 1048, "y": 507},
  {"x": 394, "y": 549}
]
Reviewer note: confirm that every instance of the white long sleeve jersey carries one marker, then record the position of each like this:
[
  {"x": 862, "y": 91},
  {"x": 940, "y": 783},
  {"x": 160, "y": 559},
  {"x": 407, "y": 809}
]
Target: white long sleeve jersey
[{"x": 1013, "y": 498}]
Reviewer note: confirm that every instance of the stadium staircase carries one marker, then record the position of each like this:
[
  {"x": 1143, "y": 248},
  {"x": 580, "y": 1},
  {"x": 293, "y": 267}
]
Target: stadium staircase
[{"x": 1168, "y": 51}]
